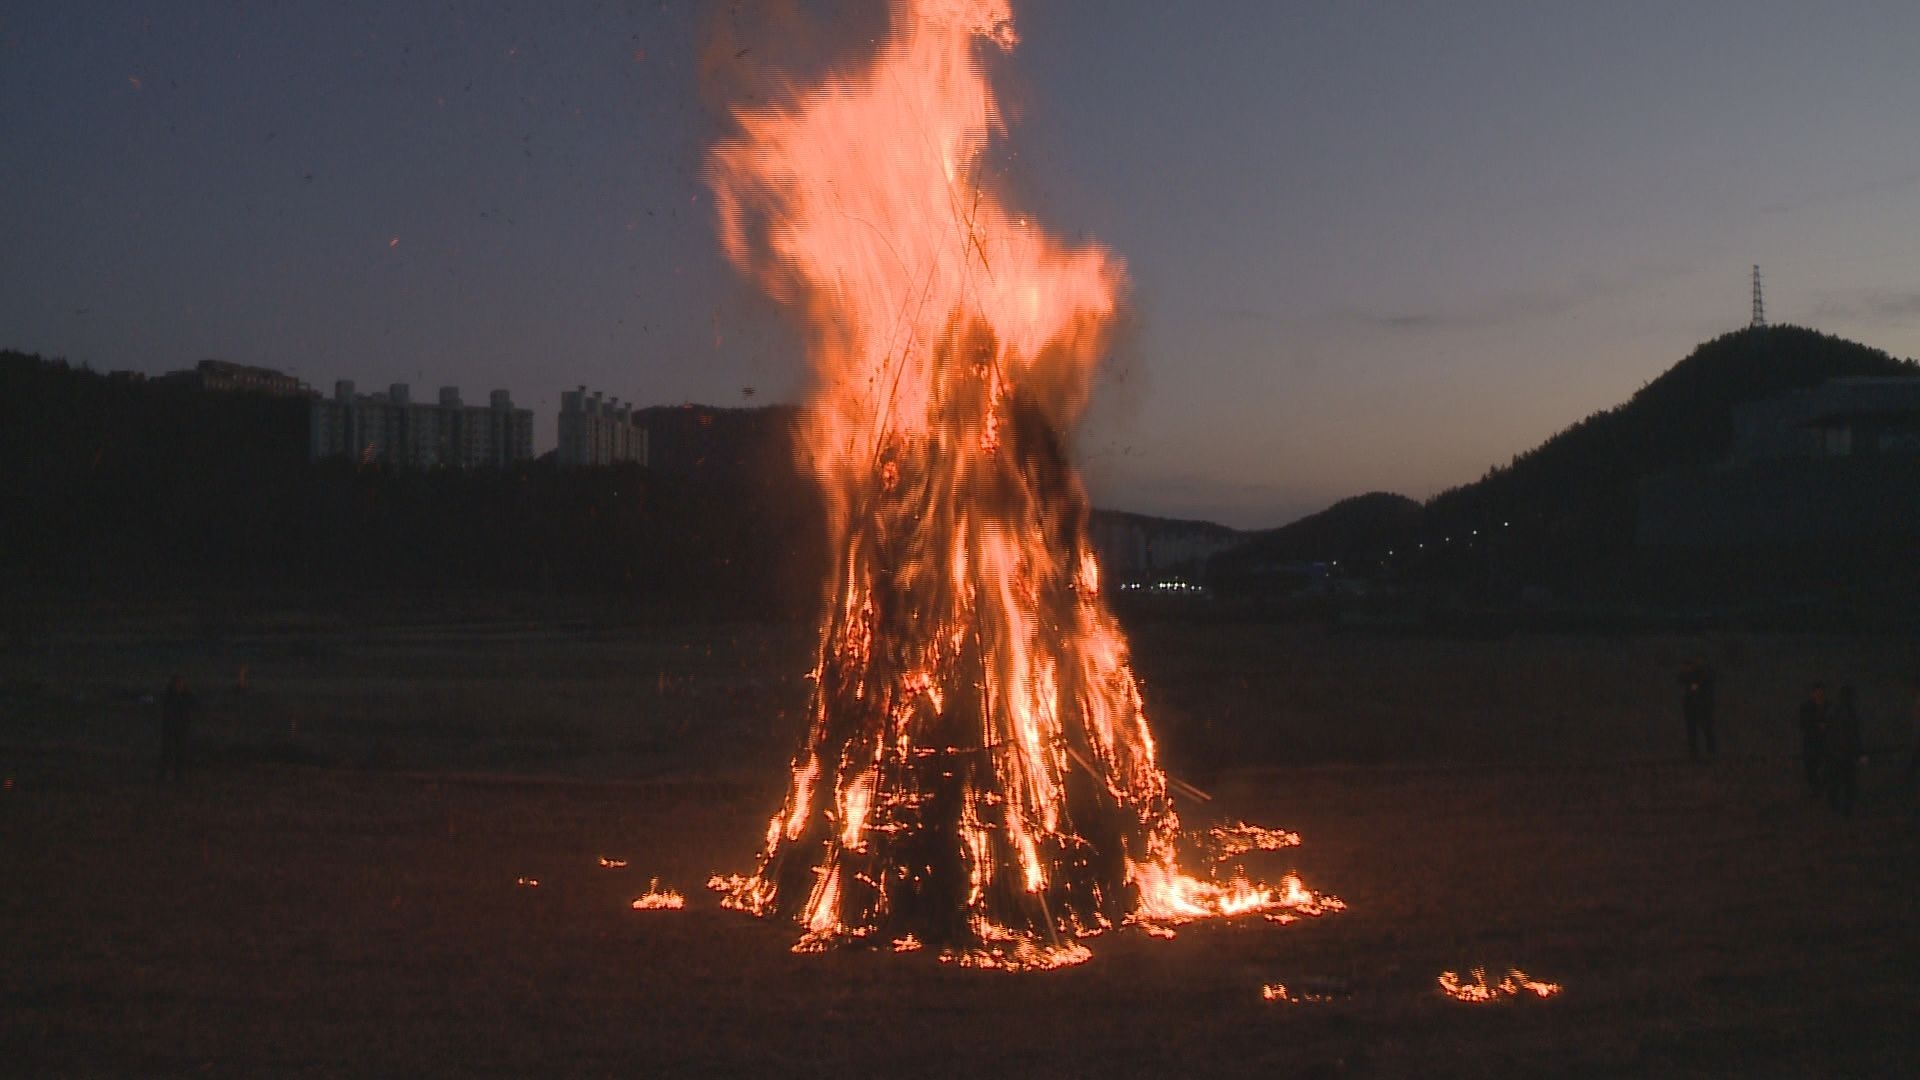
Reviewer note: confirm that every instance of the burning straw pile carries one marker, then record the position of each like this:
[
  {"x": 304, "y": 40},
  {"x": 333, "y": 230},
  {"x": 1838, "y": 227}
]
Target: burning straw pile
[{"x": 978, "y": 773}]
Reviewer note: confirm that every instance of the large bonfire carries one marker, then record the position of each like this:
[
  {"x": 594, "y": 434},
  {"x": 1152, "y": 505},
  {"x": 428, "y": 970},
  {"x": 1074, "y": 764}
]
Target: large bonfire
[{"x": 977, "y": 773}]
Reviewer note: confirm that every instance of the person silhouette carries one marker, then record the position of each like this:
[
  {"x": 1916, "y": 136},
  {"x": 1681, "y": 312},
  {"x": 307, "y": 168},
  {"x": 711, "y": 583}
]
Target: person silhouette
[
  {"x": 1696, "y": 703},
  {"x": 176, "y": 714},
  {"x": 1913, "y": 734},
  {"x": 1843, "y": 753},
  {"x": 1813, "y": 735}
]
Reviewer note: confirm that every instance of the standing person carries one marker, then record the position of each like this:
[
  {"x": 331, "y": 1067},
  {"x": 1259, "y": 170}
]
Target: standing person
[
  {"x": 1813, "y": 735},
  {"x": 176, "y": 709},
  {"x": 1696, "y": 701},
  {"x": 1843, "y": 753},
  {"x": 1913, "y": 735}
]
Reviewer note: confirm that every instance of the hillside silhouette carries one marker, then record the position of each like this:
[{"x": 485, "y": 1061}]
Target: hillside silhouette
[
  {"x": 114, "y": 484},
  {"x": 1359, "y": 523},
  {"x": 1556, "y": 512},
  {"x": 1578, "y": 485}
]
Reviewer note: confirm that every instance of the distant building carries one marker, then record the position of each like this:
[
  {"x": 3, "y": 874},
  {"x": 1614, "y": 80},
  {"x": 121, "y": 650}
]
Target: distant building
[
  {"x": 1838, "y": 418},
  {"x": 706, "y": 440},
  {"x": 219, "y": 376},
  {"x": 597, "y": 432},
  {"x": 1135, "y": 548},
  {"x": 390, "y": 428},
  {"x": 1838, "y": 461}
]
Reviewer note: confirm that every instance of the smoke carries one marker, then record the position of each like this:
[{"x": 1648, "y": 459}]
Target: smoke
[
  {"x": 1108, "y": 444},
  {"x": 757, "y": 51},
  {"x": 754, "y": 52}
]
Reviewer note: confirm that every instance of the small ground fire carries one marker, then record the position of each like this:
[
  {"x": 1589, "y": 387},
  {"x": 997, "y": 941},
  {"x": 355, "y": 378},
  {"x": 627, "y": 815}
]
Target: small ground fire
[
  {"x": 1477, "y": 990},
  {"x": 658, "y": 899},
  {"x": 978, "y": 774}
]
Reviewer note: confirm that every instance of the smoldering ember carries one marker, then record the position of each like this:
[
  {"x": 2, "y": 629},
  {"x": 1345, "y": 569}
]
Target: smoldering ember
[{"x": 354, "y": 731}]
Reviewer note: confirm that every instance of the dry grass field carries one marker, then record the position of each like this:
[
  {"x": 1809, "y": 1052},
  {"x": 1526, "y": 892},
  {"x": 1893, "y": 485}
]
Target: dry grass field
[{"x": 335, "y": 892}]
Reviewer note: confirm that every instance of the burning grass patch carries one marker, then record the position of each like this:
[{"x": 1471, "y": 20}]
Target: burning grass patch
[{"x": 1476, "y": 989}]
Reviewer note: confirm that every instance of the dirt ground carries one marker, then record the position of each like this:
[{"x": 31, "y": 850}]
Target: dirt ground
[{"x": 335, "y": 890}]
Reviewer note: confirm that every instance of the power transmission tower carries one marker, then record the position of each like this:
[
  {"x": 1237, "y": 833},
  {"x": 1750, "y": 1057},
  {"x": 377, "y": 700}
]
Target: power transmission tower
[{"x": 1759, "y": 308}]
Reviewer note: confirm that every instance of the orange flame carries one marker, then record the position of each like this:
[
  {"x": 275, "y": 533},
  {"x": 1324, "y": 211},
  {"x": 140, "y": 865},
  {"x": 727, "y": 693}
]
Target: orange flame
[
  {"x": 1232, "y": 841},
  {"x": 1477, "y": 990},
  {"x": 1286, "y": 995},
  {"x": 658, "y": 899},
  {"x": 978, "y": 772}
]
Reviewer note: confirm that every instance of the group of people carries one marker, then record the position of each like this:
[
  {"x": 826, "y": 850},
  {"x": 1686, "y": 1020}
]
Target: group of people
[{"x": 1831, "y": 746}]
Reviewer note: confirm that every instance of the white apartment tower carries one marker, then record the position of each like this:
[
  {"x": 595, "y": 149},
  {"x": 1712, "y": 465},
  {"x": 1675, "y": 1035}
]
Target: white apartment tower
[
  {"x": 594, "y": 431},
  {"x": 390, "y": 428}
]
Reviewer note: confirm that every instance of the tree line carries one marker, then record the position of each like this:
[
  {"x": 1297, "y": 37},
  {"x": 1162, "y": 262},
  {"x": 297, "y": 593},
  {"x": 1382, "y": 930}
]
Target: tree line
[{"x": 115, "y": 484}]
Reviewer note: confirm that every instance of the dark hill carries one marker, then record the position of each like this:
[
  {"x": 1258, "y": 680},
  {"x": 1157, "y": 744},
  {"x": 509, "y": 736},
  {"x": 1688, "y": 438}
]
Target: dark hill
[
  {"x": 1568, "y": 505},
  {"x": 1140, "y": 547},
  {"x": 1379, "y": 518},
  {"x": 1127, "y": 518},
  {"x": 1681, "y": 418}
]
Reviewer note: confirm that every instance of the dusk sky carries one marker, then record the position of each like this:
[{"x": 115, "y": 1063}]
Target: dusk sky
[{"x": 1372, "y": 247}]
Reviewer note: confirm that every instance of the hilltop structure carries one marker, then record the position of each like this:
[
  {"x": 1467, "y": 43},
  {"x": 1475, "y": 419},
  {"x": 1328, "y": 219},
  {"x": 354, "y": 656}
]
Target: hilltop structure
[{"x": 1840, "y": 460}]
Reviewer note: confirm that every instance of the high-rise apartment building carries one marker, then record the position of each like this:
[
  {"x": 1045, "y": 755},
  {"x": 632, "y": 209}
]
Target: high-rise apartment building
[
  {"x": 599, "y": 432},
  {"x": 390, "y": 428}
]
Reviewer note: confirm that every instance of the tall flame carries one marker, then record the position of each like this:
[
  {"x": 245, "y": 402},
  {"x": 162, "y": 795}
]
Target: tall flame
[{"x": 977, "y": 771}]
